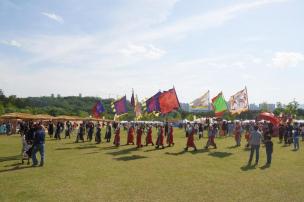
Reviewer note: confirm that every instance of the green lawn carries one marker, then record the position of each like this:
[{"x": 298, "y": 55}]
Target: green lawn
[{"x": 90, "y": 172}]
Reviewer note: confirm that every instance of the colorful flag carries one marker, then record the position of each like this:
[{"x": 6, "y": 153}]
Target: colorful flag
[
  {"x": 137, "y": 108},
  {"x": 97, "y": 109},
  {"x": 219, "y": 104},
  {"x": 239, "y": 102},
  {"x": 201, "y": 102},
  {"x": 120, "y": 106},
  {"x": 168, "y": 101},
  {"x": 132, "y": 99},
  {"x": 152, "y": 103}
]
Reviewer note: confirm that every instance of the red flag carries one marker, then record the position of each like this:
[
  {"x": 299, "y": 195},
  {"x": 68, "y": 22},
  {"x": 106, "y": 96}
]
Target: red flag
[{"x": 168, "y": 101}]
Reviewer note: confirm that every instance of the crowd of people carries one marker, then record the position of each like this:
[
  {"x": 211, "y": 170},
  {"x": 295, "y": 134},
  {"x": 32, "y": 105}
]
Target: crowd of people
[
  {"x": 6, "y": 128},
  {"x": 140, "y": 134}
]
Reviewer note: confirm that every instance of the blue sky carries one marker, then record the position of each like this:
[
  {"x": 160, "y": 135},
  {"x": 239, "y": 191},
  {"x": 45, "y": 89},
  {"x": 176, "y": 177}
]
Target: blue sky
[{"x": 106, "y": 48}]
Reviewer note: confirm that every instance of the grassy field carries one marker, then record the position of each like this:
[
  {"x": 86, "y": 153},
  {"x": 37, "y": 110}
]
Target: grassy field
[{"x": 90, "y": 172}]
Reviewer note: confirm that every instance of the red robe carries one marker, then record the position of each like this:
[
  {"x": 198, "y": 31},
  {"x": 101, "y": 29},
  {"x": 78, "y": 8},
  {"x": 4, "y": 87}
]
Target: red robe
[
  {"x": 130, "y": 136},
  {"x": 170, "y": 136},
  {"x": 160, "y": 138},
  {"x": 138, "y": 137},
  {"x": 117, "y": 137},
  {"x": 190, "y": 140},
  {"x": 237, "y": 132},
  {"x": 149, "y": 136}
]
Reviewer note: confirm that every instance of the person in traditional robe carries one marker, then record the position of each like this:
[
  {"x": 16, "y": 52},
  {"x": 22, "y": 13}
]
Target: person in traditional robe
[
  {"x": 170, "y": 136},
  {"x": 160, "y": 137},
  {"x": 58, "y": 131},
  {"x": 139, "y": 133},
  {"x": 117, "y": 136},
  {"x": 90, "y": 131},
  {"x": 108, "y": 132},
  {"x": 190, "y": 138},
  {"x": 237, "y": 134},
  {"x": 98, "y": 134},
  {"x": 68, "y": 129},
  {"x": 80, "y": 134},
  {"x": 211, "y": 135},
  {"x": 50, "y": 129},
  {"x": 130, "y": 139},
  {"x": 149, "y": 136}
]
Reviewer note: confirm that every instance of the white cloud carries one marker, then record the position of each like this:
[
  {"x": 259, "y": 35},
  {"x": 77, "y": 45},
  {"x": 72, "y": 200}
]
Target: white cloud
[
  {"x": 11, "y": 43},
  {"x": 53, "y": 16},
  {"x": 287, "y": 59},
  {"x": 144, "y": 52}
]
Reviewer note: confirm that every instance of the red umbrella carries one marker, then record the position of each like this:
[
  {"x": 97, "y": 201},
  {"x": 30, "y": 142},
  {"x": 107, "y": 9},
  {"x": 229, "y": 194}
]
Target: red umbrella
[{"x": 269, "y": 117}]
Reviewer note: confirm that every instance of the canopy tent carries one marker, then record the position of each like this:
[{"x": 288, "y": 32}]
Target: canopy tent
[
  {"x": 269, "y": 117},
  {"x": 16, "y": 115}
]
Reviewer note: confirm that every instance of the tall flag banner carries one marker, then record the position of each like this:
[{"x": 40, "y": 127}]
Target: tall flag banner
[
  {"x": 168, "y": 101},
  {"x": 98, "y": 108},
  {"x": 201, "y": 102},
  {"x": 120, "y": 106},
  {"x": 219, "y": 105},
  {"x": 238, "y": 102},
  {"x": 152, "y": 104},
  {"x": 137, "y": 108},
  {"x": 132, "y": 99}
]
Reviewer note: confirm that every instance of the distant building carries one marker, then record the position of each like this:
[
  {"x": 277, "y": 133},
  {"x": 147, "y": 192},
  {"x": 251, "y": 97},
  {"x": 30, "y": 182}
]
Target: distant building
[
  {"x": 254, "y": 107},
  {"x": 80, "y": 95},
  {"x": 185, "y": 107},
  {"x": 267, "y": 107}
]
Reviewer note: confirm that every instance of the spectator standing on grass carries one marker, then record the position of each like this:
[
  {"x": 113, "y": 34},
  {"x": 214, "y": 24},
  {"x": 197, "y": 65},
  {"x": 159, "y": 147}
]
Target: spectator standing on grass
[
  {"x": 211, "y": 136},
  {"x": 269, "y": 148},
  {"x": 80, "y": 133},
  {"x": 255, "y": 142},
  {"x": 38, "y": 145},
  {"x": 98, "y": 134},
  {"x": 237, "y": 134},
  {"x": 296, "y": 136}
]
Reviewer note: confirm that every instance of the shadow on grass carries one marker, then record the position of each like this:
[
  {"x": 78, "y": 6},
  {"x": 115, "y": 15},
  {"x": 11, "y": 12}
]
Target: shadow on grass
[
  {"x": 247, "y": 149},
  {"x": 16, "y": 168},
  {"x": 264, "y": 167},
  {"x": 108, "y": 148},
  {"x": 92, "y": 152},
  {"x": 199, "y": 151},
  {"x": 86, "y": 147},
  {"x": 122, "y": 152},
  {"x": 248, "y": 167},
  {"x": 176, "y": 154},
  {"x": 130, "y": 158},
  {"x": 232, "y": 147},
  {"x": 10, "y": 158},
  {"x": 220, "y": 154},
  {"x": 66, "y": 148}
]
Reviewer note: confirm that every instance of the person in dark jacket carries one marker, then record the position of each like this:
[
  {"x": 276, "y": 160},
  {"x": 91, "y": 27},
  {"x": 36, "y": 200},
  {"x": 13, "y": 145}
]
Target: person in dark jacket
[
  {"x": 80, "y": 133},
  {"x": 269, "y": 148},
  {"x": 108, "y": 132},
  {"x": 38, "y": 145},
  {"x": 98, "y": 134}
]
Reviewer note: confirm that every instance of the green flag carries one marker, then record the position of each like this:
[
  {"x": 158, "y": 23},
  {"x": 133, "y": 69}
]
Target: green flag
[{"x": 219, "y": 104}]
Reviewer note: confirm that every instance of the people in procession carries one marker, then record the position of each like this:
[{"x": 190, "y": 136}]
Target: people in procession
[
  {"x": 211, "y": 136},
  {"x": 108, "y": 133},
  {"x": 117, "y": 136},
  {"x": 237, "y": 134},
  {"x": 130, "y": 138},
  {"x": 190, "y": 137},
  {"x": 139, "y": 133},
  {"x": 160, "y": 137},
  {"x": 149, "y": 136},
  {"x": 98, "y": 134},
  {"x": 170, "y": 136},
  {"x": 80, "y": 133}
]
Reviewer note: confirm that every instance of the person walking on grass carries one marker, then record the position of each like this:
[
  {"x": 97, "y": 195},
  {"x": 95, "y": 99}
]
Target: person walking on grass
[
  {"x": 139, "y": 133},
  {"x": 190, "y": 139},
  {"x": 117, "y": 136},
  {"x": 255, "y": 142},
  {"x": 170, "y": 136},
  {"x": 80, "y": 133},
  {"x": 149, "y": 136},
  {"x": 211, "y": 136},
  {"x": 38, "y": 145},
  {"x": 130, "y": 139},
  {"x": 296, "y": 136},
  {"x": 160, "y": 137},
  {"x": 269, "y": 148},
  {"x": 237, "y": 134},
  {"x": 98, "y": 134}
]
